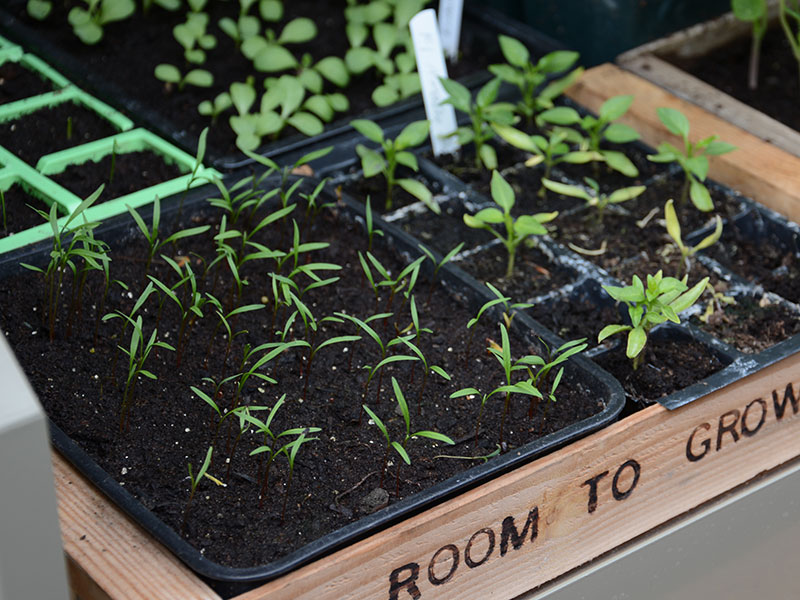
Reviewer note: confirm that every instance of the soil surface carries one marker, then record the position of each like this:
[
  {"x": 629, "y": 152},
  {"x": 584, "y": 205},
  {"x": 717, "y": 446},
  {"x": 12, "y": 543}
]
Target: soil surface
[
  {"x": 19, "y": 215},
  {"x": 778, "y": 92},
  {"x": 131, "y": 172},
  {"x": 17, "y": 82},
  {"x": 144, "y": 41},
  {"x": 48, "y": 130},
  {"x": 80, "y": 378}
]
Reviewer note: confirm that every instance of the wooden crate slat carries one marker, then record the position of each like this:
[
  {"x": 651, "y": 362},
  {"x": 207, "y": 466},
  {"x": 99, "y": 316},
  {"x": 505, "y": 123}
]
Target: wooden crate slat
[
  {"x": 104, "y": 545},
  {"x": 757, "y": 169},
  {"x": 568, "y": 534}
]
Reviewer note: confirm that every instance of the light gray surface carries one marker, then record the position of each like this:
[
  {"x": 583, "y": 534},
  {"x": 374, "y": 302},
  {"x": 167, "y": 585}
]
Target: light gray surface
[
  {"x": 742, "y": 547},
  {"x": 31, "y": 558}
]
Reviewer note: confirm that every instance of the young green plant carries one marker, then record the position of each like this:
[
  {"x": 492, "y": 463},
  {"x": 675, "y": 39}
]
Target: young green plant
[
  {"x": 516, "y": 230},
  {"x": 755, "y": 13},
  {"x": 394, "y": 152},
  {"x": 693, "y": 158},
  {"x": 662, "y": 299},
  {"x": 674, "y": 230},
  {"x": 592, "y": 195}
]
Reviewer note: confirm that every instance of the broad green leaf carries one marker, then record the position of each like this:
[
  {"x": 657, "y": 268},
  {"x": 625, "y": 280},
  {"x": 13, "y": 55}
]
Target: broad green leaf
[
  {"x": 402, "y": 452},
  {"x": 168, "y": 73},
  {"x": 271, "y": 10},
  {"x": 619, "y": 162},
  {"x": 637, "y": 338},
  {"x": 369, "y": 129},
  {"x": 514, "y": 51},
  {"x": 629, "y": 293},
  {"x": 334, "y": 70},
  {"x": 508, "y": 73},
  {"x": 489, "y": 215},
  {"x": 116, "y": 10},
  {"x": 698, "y": 166},
  {"x": 320, "y": 107},
  {"x": 527, "y": 225},
  {"x": 311, "y": 80},
  {"x": 488, "y": 156},
  {"x": 356, "y": 34},
  {"x": 407, "y": 159},
  {"x": 625, "y": 194},
  {"x": 306, "y": 123},
  {"x": 610, "y": 330},
  {"x": 712, "y": 237},
  {"x": 419, "y": 191},
  {"x": 384, "y": 95},
  {"x": 749, "y": 10},
  {"x": 700, "y": 196},
  {"x": 566, "y": 190},
  {"x": 515, "y": 137},
  {"x": 618, "y": 133},
  {"x": 717, "y": 148},
  {"x": 372, "y": 162},
  {"x": 488, "y": 93},
  {"x": 274, "y": 58},
  {"x": 613, "y": 108},
  {"x": 459, "y": 95},
  {"x": 199, "y": 78},
  {"x": 580, "y": 157},
  {"x": 297, "y": 31},
  {"x": 674, "y": 121},
  {"x": 560, "y": 115},
  {"x": 673, "y": 225},
  {"x": 359, "y": 59},
  {"x": 243, "y": 96},
  {"x": 502, "y": 192},
  {"x": 557, "y": 61},
  {"x": 689, "y": 297},
  {"x": 471, "y": 221},
  {"x": 412, "y": 135},
  {"x": 385, "y": 36},
  {"x": 39, "y": 9}
]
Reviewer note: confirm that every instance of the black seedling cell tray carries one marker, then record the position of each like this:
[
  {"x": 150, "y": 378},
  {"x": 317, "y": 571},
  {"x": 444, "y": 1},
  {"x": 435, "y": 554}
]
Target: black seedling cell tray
[
  {"x": 480, "y": 30},
  {"x": 604, "y": 390}
]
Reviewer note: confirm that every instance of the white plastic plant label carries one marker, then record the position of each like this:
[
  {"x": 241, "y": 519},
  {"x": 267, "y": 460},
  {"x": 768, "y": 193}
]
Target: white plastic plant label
[
  {"x": 431, "y": 67},
  {"x": 450, "y": 12}
]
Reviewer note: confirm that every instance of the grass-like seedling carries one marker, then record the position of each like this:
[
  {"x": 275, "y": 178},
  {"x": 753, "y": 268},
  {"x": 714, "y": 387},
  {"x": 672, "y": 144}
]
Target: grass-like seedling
[
  {"x": 426, "y": 368},
  {"x": 71, "y": 243},
  {"x": 502, "y": 353},
  {"x": 661, "y": 300},
  {"x": 437, "y": 265},
  {"x": 693, "y": 158},
  {"x": 483, "y": 113},
  {"x": 789, "y": 15},
  {"x": 528, "y": 77},
  {"x": 137, "y": 352},
  {"x": 407, "y": 278},
  {"x": 592, "y": 195},
  {"x": 674, "y": 230},
  {"x": 194, "y": 481},
  {"x": 516, "y": 230},
  {"x": 755, "y": 13},
  {"x": 541, "y": 376},
  {"x": 509, "y": 310},
  {"x": 400, "y": 447},
  {"x": 394, "y": 152}
]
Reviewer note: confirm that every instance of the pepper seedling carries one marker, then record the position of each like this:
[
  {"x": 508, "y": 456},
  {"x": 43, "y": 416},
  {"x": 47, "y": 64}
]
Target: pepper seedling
[
  {"x": 674, "y": 230},
  {"x": 517, "y": 230},
  {"x": 194, "y": 480},
  {"x": 483, "y": 113},
  {"x": 755, "y": 13},
  {"x": 592, "y": 195},
  {"x": 693, "y": 159},
  {"x": 394, "y": 152},
  {"x": 661, "y": 300},
  {"x": 528, "y": 76}
]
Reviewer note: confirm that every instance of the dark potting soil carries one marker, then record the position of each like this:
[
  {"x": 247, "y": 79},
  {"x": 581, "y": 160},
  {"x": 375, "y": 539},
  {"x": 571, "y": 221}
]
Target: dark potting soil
[
  {"x": 133, "y": 171},
  {"x": 18, "y": 214},
  {"x": 668, "y": 366},
  {"x": 80, "y": 377},
  {"x": 445, "y": 231},
  {"x": 144, "y": 41},
  {"x": 760, "y": 262},
  {"x": 752, "y": 324},
  {"x": 572, "y": 318},
  {"x": 375, "y": 188},
  {"x": 48, "y": 130},
  {"x": 535, "y": 274},
  {"x": 778, "y": 92},
  {"x": 17, "y": 82}
]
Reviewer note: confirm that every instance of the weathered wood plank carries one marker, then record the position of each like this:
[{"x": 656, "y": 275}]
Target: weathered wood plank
[
  {"x": 649, "y": 468},
  {"x": 111, "y": 557},
  {"x": 757, "y": 169}
]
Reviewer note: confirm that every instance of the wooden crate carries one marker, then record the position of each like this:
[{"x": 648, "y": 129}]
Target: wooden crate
[
  {"x": 529, "y": 526},
  {"x": 647, "y": 62}
]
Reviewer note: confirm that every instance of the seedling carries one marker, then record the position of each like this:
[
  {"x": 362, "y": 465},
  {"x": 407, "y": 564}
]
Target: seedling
[
  {"x": 789, "y": 15},
  {"x": 528, "y": 77},
  {"x": 551, "y": 150},
  {"x": 138, "y": 352},
  {"x": 693, "y": 159},
  {"x": 226, "y": 321},
  {"x": 407, "y": 278},
  {"x": 400, "y": 447},
  {"x": 426, "y": 369},
  {"x": 484, "y": 113},
  {"x": 600, "y": 129},
  {"x": 674, "y": 230},
  {"x": 87, "y": 23},
  {"x": 516, "y": 230},
  {"x": 715, "y": 303},
  {"x": 371, "y": 231},
  {"x": 194, "y": 480},
  {"x": 660, "y": 301},
  {"x": 192, "y": 36},
  {"x": 592, "y": 195},
  {"x": 394, "y": 152},
  {"x": 438, "y": 265},
  {"x": 754, "y": 12},
  {"x": 541, "y": 379},
  {"x": 68, "y": 247},
  {"x": 502, "y": 353},
  {"x": 508, "y": 312}
]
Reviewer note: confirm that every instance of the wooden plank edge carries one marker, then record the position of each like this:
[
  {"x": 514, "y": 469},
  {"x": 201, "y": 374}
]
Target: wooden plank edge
[
  {"x": 109, "y": 556},
  {"x": 715, "y": 101},
  {"x": 425, "y": 557},
  {"x": 757, "y": 169}
]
